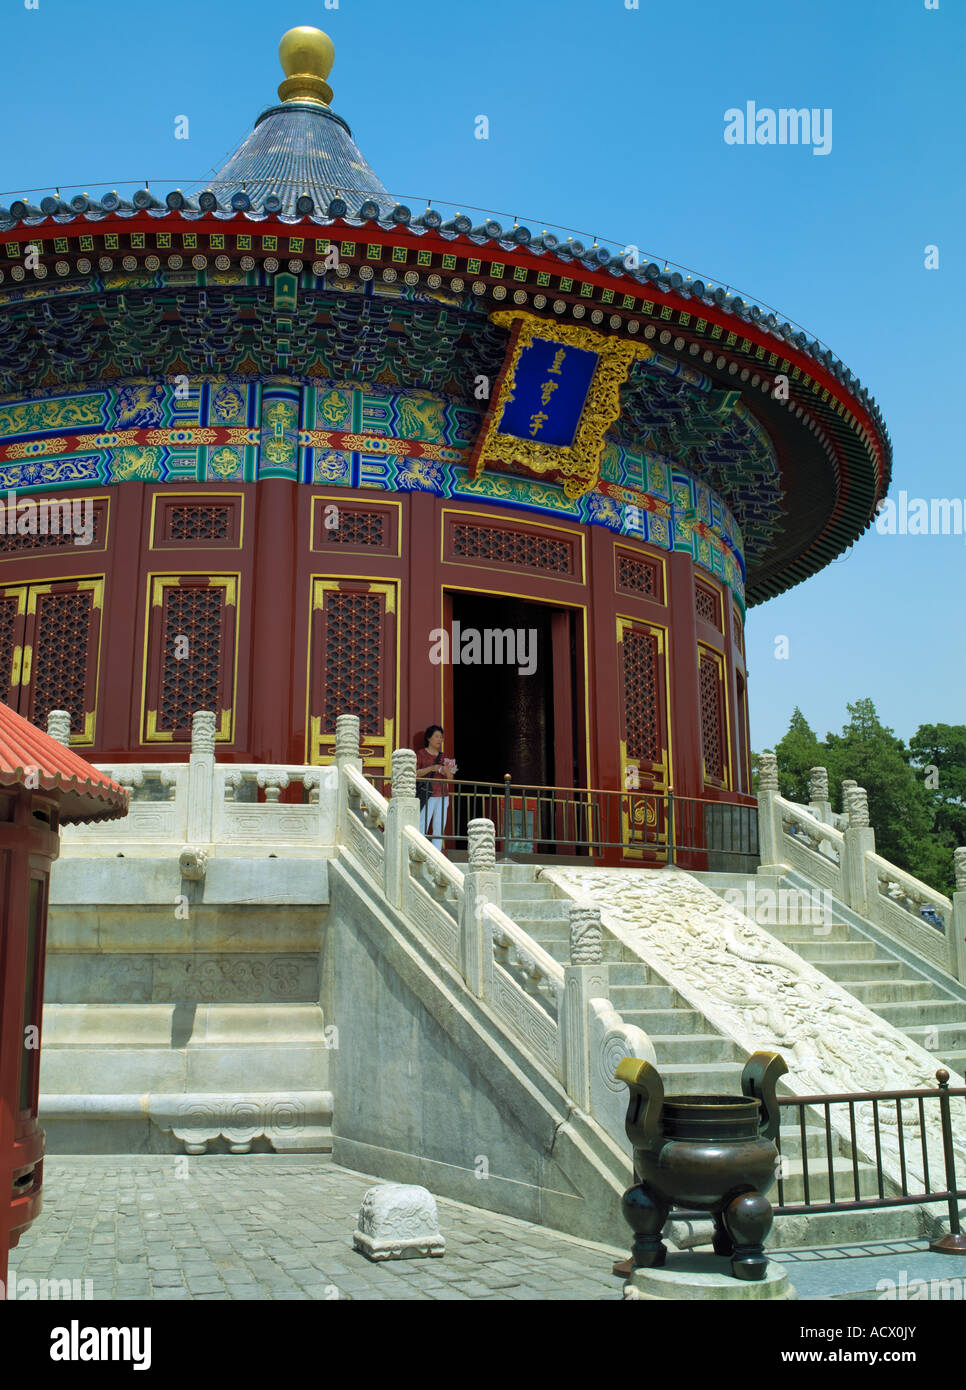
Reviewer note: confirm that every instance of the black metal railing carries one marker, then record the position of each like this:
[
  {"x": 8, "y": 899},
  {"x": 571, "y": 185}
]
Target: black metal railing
[
  {"x": 650, "y": 826},
  {"x": 842, "y": 1191}
]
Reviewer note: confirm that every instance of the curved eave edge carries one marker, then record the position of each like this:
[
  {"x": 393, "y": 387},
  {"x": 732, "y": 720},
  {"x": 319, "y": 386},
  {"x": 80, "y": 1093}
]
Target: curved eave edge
[{"x": 813, "y": 350}]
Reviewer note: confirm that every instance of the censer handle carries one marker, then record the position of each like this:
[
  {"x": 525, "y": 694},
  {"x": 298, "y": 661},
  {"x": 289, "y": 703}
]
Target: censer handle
[
  {"x": 758, "y": 1080},
  {"x": 643, "y": 1122}
]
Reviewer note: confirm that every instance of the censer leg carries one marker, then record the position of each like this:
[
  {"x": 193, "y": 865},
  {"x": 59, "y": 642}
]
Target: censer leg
[
  {"x": 722, "y": 1242},
  {"x": 646, "y": 1215},
  {"x": 748, "y": 1220}
]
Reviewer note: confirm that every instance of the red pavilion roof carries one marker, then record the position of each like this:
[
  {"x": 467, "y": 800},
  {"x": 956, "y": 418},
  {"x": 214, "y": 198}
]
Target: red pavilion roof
[{"x": 85, "y": 794}]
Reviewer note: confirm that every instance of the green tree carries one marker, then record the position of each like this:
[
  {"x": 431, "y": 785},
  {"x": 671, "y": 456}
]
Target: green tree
[
  {"x": 798, "y": 752},
  {"x": 900, "y": 807},
  {"x": 939, "y": 753}
]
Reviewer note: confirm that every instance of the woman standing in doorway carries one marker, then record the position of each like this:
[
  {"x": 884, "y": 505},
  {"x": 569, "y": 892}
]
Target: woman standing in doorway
[{"x": 433, "y": 771}]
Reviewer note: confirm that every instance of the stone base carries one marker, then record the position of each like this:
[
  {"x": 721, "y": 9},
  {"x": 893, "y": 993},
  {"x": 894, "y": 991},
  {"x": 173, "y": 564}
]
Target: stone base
[
  {"x": 706, "y": 1278},
  {"x": 398, "y": 1221}
]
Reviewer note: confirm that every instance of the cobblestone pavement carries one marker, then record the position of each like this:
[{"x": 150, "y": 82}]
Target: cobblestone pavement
[{"x": 279, "y": 1227}]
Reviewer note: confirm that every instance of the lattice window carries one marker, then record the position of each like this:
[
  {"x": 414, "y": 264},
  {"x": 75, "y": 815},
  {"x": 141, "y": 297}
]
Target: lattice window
[
  {"x": 191, "y": 681},
  {"x": 200, "y": 521},
  {"x": 712, "y": 723},
  {"x": 357, "y": 528},
  {"x": 522, "y": 549},
  {"x": 706, "y": 605},
  {"x": 352, "y": 657},
  {"x": 60, "y": 540},
  {"x": 642, "y": 723},
  {"x": 60, "y": 656},
  {"x": 9, "y": 609},
  {"x": 635, "y": 575}
]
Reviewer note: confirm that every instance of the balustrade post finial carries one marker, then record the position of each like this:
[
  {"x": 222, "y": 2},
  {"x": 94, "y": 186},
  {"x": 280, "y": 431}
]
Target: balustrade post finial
[
  {"x": 818, "y": 784},
  {"x": 482, "y": 845},
  {"x": 403, "y": 773},
  {"x": 347, "y": 738},
  {"x": 58, "y": 726},
  {"x": 858, "y": 808},
  {"x": 767, "y": 773},
  {"x": 586, "y": 939},
  {"x": 203, "y": 732},
  {"x": 959, "y": 868}
]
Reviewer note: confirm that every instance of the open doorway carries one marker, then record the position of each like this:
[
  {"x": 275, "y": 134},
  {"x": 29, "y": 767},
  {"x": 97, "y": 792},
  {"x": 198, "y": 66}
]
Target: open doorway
[{"x": 513, "y": 701}]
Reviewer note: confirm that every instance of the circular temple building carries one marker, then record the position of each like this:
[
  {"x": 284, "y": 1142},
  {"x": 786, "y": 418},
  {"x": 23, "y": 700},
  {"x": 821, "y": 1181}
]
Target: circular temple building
[{"x": 287, "y": 449}]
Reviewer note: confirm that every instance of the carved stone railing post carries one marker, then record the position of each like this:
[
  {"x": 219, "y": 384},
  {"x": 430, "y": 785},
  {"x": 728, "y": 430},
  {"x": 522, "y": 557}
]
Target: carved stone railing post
[
  {"x": 347, "y": 754},
  {"x": 201, "y": 778},
  {"x": 859, "y": 878},
  {"x": 481, "y": 885},
  {"x": 957, "y": 920},
  {"x": 585, "y": 978},
  {"x": 770, "y": 846},
  {"x": 58, "y": 726},
  {"x": 403, "y": 811},
  {"x": 818, "y": 798}
]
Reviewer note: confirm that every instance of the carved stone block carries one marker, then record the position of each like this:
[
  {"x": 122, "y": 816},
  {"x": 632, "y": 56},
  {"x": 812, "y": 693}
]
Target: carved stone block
[{"x": 398, "y": 1221}]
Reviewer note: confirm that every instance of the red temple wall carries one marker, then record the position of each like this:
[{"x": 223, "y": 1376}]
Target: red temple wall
[{"x": 342, "y": 615}]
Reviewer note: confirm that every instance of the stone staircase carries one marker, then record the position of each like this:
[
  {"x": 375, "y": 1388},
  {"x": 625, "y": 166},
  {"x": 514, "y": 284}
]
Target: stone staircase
[
  {"x": 910, "y": 996},
  {"x": 694, "y": 1058}
]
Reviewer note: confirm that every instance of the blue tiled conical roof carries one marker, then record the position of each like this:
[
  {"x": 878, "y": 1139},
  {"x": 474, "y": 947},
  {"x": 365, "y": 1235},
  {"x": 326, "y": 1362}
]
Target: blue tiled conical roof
[{"x": 301, "y": 148}]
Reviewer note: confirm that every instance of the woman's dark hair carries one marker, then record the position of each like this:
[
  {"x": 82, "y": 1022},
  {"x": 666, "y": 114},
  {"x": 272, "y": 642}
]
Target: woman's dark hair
[{"x": 433, "y": 728}]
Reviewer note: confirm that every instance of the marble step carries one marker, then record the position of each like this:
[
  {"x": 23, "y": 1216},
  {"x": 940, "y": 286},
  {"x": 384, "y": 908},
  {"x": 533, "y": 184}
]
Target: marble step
[
  {"x": 525, "y": 892},
  {"x": 930, "y": 1012},
  {"x": 792, "y": 932},
  {"x": 875, "y": 992},
  {"x": 688, "y": 1048},
  {"x": 518, "y": 873},
  {"x": 633, "y": 972},
  {"x": 648, "y": 997},
  {"x": 538, "y": 910},
  {"x": 705, "y": 1078},
  {"x": 869, "y": 970},
  {"x": 942, "y": 1037},
  {"x": 843, "y": 1228},
  {"x": 819, "y": 951},
  {"x": 791, "y": 1139},
  {"x": 660, "y": 1022},
  {"x": 819, "y": 1190}
]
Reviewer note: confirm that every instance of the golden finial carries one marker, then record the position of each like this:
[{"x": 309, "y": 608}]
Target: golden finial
[{"x": 306, "y": 55}]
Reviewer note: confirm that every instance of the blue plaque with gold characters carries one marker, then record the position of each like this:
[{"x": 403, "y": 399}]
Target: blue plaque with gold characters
[
  {"x": 556, "y": 397},
  {"x": 549, "y": 392}
]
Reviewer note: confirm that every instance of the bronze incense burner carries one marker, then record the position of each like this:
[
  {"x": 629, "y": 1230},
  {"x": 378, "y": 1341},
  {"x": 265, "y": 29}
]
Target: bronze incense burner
[{"x": 710, "y": 1153}]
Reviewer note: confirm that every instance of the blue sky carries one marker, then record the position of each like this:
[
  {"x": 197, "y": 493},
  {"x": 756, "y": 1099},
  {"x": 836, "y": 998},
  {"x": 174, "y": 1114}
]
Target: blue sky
[{"x": 611, "y": 120}]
